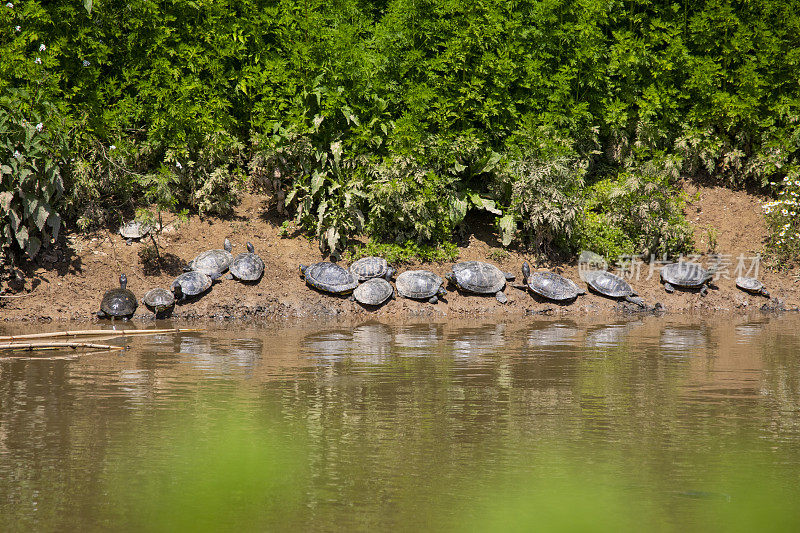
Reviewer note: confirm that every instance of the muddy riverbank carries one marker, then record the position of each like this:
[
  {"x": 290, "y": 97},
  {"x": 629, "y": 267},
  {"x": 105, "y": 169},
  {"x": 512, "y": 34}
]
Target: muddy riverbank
[{"x": 68, "y": 284}]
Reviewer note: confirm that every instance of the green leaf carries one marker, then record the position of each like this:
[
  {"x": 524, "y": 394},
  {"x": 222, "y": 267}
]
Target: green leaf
[
  {"x": 34, "y": 244},
  {"x": 332, "y": 237},
  {"x": 87, "y": 4},
  {"x": 5, "y": 200},
  {"x": 5, "y": 169},
  {"x": 508, "y": 226},
  {"x": 316, "y": 181}
]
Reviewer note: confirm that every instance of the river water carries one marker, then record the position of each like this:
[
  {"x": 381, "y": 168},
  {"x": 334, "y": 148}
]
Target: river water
[{"x": 675, "y": 423}]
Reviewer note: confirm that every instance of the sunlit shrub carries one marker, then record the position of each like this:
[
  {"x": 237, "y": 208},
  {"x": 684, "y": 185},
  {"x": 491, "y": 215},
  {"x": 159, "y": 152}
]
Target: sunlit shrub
[{"x": 783, "y": 219}]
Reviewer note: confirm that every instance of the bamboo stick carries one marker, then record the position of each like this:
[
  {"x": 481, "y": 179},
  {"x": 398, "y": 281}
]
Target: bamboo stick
[
  {"x": 93, "y": 332},
  {"x": 56, "y": 345}
]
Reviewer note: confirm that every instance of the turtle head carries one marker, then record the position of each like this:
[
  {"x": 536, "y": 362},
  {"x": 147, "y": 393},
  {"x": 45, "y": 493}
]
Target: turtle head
[
  {"x": 389, "y": 274},
  {"x": 451, "y": 277},
  {"x": 442, "y": 291},
  {"x": 177, "y": 290},
  {"x": 227, "y": 246},
  {"x": 303, "y": 270},
  {"x": 250, "y": 247},
  {"x": 123, "y": 281},
  {"x": 526, "y": 272}
]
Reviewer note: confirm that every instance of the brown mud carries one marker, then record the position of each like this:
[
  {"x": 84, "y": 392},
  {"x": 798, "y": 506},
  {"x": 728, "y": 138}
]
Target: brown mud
[{"x": 67, "y": 284}]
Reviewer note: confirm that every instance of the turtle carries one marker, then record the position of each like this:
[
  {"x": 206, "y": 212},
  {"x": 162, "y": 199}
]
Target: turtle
[
  {"x": 372, "y": 267},
  {"x": 246, "y": 266},
  {"x": 480, "y": 278},
  {"x": 212, "y": 263},
  {"x": 135, "y": 230},
  {"x": 373, "y": 292},
  {"x": 611, "y": 285},
  {"x": 118, "y": 303},
  {"x": 685, "y": 274},
  {"x": 190, "y": 284},
  {"x": 550, "y": 285},
  {"x": 752, "y": 285},
  {"x": 420, "y": 285},
  {"x": 329, "y": 277},
  {"x": 159, "y": 300}
]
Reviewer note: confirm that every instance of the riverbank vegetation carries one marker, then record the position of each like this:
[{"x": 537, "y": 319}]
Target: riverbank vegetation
[{"x": 569, "y": 122}]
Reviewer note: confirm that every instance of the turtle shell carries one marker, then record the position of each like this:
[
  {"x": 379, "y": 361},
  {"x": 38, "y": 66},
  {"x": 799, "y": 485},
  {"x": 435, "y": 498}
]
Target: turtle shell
[
  {"x": 159, "y": 300},
  {"x": 329, "y": 277},
  {"x": 419, "y": 284},
  {"x": 135, "y": 229},
  {"x": 192, "y": 283},
  {"x": 371, "y": 267},
  {"x": 247, "y": 266},
  {"x": 684, "y": 274},
  {"x": 119, "y": 302},
  {"x": 553, "y": 286},
  {"x": 749, "y": 284},
  {"x": 374, "y": 291},
  {"x": 608, "y": 284},
  {"x": 478, "y": 277}
]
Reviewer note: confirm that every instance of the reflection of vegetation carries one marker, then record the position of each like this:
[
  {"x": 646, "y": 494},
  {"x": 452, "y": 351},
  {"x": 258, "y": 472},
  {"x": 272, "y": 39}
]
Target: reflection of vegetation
[{"x": 428, "y": 426}]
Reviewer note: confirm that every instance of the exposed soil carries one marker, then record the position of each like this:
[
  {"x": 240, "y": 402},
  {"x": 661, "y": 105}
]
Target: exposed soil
[{"x": 69, "y": 283}]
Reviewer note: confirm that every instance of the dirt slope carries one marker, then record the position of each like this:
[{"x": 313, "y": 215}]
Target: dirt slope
[{"x": 69, "y": 284}]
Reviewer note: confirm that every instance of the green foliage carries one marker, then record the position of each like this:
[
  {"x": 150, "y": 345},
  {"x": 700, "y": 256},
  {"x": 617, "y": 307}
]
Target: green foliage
[
  {"x": 638, "y": 212},
  {"x": 32, "y": 150},
  {"x": 443, "y": 106},
  {"x": 408, "y": 252},
  {"x": 543, "y": 201}
]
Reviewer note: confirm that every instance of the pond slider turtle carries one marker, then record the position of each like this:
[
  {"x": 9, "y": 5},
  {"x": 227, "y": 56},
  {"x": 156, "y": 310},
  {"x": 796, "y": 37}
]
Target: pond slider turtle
[
  {"x": 374, "y": 291},
  {"x": 247, "y": 266},
  {"x": 685, "y": 274},
  {"x": 159, "y": 300},
  {"x": 329, "y": 277},
  {"x": 550, "y": 285},
  {"x": 611, "y": 285},
  {"x": 118, "y": 303},
  {"x": 213, "y": 263},
  {"x": 135, "y": 230},
  {"x": 371, "y": 267},
  {"x": 480, "y": 278},
  {"x": 752, "y": 285},
  {"x": 190, "y": 284},
  {"x": 420, "y": 285}
]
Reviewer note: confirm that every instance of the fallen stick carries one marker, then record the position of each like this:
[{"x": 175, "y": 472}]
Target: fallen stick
[
  {"x": 93, "y": 332},
  {"x": 56, "y": 345}
]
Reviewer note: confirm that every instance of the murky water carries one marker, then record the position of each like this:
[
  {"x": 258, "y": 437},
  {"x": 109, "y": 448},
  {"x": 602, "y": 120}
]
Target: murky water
[{"x": 677, "y": 422}]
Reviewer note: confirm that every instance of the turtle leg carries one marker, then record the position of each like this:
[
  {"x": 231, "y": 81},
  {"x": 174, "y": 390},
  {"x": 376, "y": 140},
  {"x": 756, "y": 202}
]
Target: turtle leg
[
  {"x": 668, "y": 287},
  {"x": 509, "y": 276},
  {"x": 229, "y": 276},
  {"x": 501, "y": 297},
  {"x": 433, "y": 299},
  {"x": 129, "y": 242},
  {"x": 636, "y": 300},
  {"x": 101, "y": 314},
  {"x": 704, "y": 290}
]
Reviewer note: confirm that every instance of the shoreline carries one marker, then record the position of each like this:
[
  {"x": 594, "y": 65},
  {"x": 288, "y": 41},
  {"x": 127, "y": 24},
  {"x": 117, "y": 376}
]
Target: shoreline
[{"x": 68, "y": 282}]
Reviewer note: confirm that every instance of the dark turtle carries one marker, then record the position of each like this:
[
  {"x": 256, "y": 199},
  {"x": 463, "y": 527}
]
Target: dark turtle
[
  {"x": 480, "y": 278},
  {"x": 374, "y": 291},
  {"x": 118, "y": 303},
  {"x": 190, "y": 284},
  {"x": 420, "y": 285},
  {"x": 213, "y": 263},
  {"x": 372, "y": 267},
  {"x": 611, "y": 285},
  {"x": 247, "y": 266},
  {"x": 159, "y": 300},
  {"x": 685, "y": 274},
  {"x": 328, "y": 277},
  {"x": 135, "y": 230},
  {"x": 550, "y": 285},
  {"x": 752, "y": 285}
]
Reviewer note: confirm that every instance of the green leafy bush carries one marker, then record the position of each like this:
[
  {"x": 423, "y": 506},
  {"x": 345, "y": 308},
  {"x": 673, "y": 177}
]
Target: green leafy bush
[{"x": 32, "y": 151}]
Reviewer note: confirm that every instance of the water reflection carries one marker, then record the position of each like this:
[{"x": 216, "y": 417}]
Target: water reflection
[
  {"x": 683, "y": 341},
  {"x": 408, "y": 413}
]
